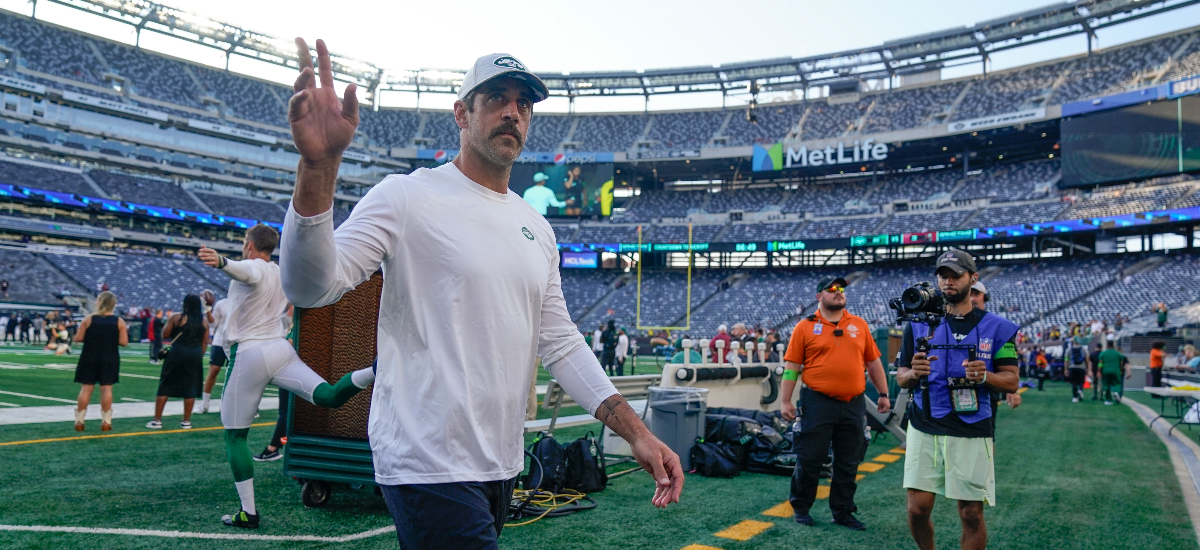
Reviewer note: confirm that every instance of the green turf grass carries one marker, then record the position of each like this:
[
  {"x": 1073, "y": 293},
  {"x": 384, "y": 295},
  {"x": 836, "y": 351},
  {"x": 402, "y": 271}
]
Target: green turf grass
[{"x": 1069, "y": 476}]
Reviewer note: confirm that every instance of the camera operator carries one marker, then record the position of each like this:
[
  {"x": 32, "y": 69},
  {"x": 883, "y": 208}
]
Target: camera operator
[
  {"x": 834, "y": 349},
  {"x": 951, "y": 452}
]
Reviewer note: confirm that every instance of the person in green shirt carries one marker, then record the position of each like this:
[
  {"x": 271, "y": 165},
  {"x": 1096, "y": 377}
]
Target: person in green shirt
[
  {"x": 1161, "y": 309},
  {"x": 1112, "y": 365}
]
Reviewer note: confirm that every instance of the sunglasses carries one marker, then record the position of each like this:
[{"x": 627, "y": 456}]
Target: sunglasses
[{"x": 836, "y": 289}]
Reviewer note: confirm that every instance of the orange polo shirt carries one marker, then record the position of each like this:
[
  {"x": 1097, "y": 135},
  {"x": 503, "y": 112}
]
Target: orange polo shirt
[
  {"x": 1156, "y": 358},
  {"x": 833, "y": 365}
]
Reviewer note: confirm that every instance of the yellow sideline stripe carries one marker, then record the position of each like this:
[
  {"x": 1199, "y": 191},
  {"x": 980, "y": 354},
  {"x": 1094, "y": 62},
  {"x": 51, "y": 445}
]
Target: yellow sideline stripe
[
  {"x": 30, "y": 441},
  {"x": 745, "y": 530},
  {"x": 1022, "y": 389},
  {"x": 886, "y": 458},
  {"x": 699, "y": 547}
]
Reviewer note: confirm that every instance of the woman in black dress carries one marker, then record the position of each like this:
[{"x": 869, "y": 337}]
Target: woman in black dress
[
  {"x": 182, "y": 372},
  {"x": 101, "y": 333}
]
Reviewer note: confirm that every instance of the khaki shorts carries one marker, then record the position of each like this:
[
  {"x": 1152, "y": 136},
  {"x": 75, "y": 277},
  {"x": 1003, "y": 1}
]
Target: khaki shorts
[{"x": 960, "y": 468}]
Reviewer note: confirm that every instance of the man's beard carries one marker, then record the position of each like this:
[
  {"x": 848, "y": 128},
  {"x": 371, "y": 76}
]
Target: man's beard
[
  {"x": 834, "y": 307},
  {"x": 956, "y": 298}
]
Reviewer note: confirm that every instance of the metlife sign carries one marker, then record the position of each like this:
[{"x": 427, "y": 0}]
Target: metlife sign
[{"x": 778, "y": 157}]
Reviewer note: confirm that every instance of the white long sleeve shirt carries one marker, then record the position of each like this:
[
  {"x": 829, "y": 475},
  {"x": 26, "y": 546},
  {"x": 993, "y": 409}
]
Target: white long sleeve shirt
[
  {"x": 471, "y": 295},
  {"x": 220, "y": 313},
  {"x": 257, "y": 300}
]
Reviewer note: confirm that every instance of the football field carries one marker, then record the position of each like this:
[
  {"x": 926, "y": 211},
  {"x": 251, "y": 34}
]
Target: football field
[{"x": 1068, "y": 475}]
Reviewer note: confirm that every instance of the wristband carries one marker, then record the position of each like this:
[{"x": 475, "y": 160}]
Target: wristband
[
  {"x": 789, "y": 374},
  {"x": 223, "y": 263},
  {"x": 984, "y": 381}
]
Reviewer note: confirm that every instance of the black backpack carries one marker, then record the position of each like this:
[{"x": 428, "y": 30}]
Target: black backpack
[
  {"x": 727, "y": 428},
  {"x": 552, "y": 475},
  {"x": 716, "y": 459},
  {"x": 585, "y": 466}
]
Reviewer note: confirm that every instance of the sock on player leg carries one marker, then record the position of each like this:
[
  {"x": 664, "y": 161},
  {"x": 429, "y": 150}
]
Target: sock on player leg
[
  {"x": 336, "y": 395},
  {"x": 245, "y": 491},
  {"x": 207, "y": 397},
  {"x": 238, "y": 453}
]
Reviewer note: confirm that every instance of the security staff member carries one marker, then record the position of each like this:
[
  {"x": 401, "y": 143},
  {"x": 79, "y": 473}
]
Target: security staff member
[
  {"x": 831, "y": 350},
  {"x": 951, "y": 453}
]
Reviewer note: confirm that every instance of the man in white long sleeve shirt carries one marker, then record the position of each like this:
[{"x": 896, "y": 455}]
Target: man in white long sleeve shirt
[
  {"x": 259, "y": 355},
  {"x": 471, "y": 295},
  {"x": 217, "y": 357}
]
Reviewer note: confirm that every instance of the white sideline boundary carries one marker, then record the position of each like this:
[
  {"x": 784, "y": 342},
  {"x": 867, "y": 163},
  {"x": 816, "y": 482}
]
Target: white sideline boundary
[
  {"x": 1184, "y": 458},
  {"x": 190, "y": 535}
]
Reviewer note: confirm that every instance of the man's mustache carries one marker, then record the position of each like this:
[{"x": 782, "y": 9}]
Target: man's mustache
[{"x": 511, "y": 129}]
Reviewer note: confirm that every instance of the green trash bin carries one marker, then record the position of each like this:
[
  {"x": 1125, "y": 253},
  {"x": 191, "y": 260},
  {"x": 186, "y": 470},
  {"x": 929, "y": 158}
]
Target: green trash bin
[{"x": 677, "y": 418}]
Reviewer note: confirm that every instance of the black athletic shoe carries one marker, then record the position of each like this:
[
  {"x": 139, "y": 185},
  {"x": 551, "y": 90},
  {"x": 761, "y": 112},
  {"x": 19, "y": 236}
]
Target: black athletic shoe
[
  {"x": 848, "y": 521},
  {"x": 803, "y": 519},
  {"x": 241, "y": 519},
  {"x": 268, "y": 456}
]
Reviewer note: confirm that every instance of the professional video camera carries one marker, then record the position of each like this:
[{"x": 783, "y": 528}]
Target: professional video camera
[{"x": 923, "y": 303}]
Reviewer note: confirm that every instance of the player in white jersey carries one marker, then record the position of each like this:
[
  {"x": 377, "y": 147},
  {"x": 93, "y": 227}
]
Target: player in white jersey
[
  {"x": 259, "y": 355},
  {"x": 217, "y": 357},
  {"x": 471, "y": 295}
]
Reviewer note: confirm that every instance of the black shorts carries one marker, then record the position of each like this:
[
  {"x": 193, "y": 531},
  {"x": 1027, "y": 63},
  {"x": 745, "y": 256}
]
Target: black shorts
[
  {"x": 467, "y": 515},
  {"x": 217, "y": 357}
]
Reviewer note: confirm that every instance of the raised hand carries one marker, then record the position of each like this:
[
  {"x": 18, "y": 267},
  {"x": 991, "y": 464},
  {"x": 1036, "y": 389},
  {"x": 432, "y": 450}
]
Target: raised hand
[{"x": 322, "y": 125}]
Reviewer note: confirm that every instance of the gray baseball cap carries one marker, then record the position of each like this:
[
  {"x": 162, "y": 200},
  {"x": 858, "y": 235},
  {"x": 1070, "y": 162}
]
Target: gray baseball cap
[
  {"x": 501, "y": 64},
  {"x": 956, "y": 260}
]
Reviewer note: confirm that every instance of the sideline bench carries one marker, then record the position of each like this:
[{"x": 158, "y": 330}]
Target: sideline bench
[{"x": 635, "y": 389}]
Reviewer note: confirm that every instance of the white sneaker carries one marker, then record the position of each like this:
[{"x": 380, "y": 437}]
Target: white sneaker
[
  {"x": 184, "y": 425},
  {"x": 203, "y": 409},
  {"x": 1108, "y": 402},
  {"x": 154, "y": 424},
  {"x": 1074, "y": 399}
]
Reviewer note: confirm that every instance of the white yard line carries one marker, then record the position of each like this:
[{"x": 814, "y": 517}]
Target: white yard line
[
  {"x": 66, "y": 413},
  {"x": 37, "y": 397},
  {"x": 188, "y": 535},
  {"x": 3, "y": 404},
  {"x": 133, "y": 400}
]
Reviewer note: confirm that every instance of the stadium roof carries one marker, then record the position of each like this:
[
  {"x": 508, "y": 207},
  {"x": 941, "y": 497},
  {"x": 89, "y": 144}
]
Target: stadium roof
[{"x": 911, "y": 55}]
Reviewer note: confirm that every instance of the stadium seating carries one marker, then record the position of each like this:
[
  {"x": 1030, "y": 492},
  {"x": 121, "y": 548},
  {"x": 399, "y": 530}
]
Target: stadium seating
[
  {"x": 243, "y": 207},
  {"x": 748, "y": 200},
  {"x": 910, "y": 108},
  {"x": 915, "y": 187},
  {"x": 775, "y": 120},
  {"x": 1009, "y": 182},
  {"x": 546, "y": 132},
  {"x": 684, "y": 130},
  {"x": 1174, "y": 283},
  {"x": 659, "y": 204},
  {"x": 389, "y": 127},
  {"x": 829, "y": 121},
  {"x": 31, "y": 279},
  {"x": 933, "y": 221},
  {"x": 144, "y": 189},
  {"x": 583, "y": 287},
  {"x": 247, "y": 98},
  {"x": 46, "y": 49},
  {"x": 608, "y": 132},
  {"x": 1008, "y": 91},
  {"x": 139, "y": 280},
  {"x": 825, "y": 199},
  {"x": 664, "y": 299},
  {"x": 1017, "y": 214},
  {"x": 44, "y": 177},
  {"x": 679, "y": 233},
  {"x": 1115, "y": 70},
  {"x": 759, "y": 232},
  {"x": 152, "y": 76}
]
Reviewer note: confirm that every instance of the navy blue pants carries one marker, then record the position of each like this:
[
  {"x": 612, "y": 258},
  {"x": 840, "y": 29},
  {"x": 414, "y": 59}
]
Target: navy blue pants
[{"x": 467, "y": 515}]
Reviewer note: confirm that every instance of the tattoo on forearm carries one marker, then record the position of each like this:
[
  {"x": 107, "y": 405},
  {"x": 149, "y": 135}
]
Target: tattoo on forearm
[{"x": 616, "y": 413}]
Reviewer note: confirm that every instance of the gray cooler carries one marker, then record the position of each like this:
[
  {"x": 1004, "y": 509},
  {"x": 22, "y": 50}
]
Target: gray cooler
[{"x": 677, "y": 418}]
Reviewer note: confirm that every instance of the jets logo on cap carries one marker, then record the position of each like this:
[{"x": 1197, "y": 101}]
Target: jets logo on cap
[{"x": 509, "y": 62}]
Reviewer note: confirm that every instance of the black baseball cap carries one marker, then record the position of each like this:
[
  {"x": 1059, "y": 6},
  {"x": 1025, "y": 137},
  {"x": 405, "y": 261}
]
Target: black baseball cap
[
  {"x": 958, "y": 261},
  {"x": 830, "y": 281}
]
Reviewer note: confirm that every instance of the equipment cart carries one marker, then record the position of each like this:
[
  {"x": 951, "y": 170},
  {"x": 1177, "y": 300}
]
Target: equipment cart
[{"x": 328, "y": 448}]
